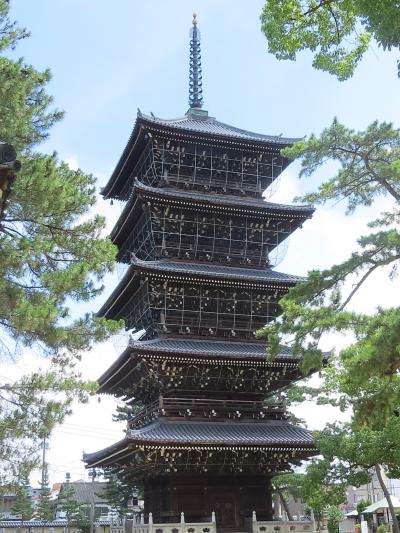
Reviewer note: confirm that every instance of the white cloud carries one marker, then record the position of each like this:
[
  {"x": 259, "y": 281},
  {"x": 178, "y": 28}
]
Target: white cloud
[{"x": 72, "y": 162}]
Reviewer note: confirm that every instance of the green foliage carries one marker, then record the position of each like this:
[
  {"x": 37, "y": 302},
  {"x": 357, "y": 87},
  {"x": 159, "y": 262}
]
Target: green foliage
[
  {"x": 350, "y": 454},
  {"x": 369, "y": 167},
  {"x": 125, "y": 412},
  {"x": 285, "y": 485},
  {"x": 318, "y": 488},
  {"x": 52, "y": 253},
  {"x": 321, "y": 488},
  {"x": 45, "y": 507},
  {"x": 338, "y": 32},
  {"x": 119, "y": 492},
  {"x": 369, "y": 163},
  {"x": 30, "y": 407},
  {"x": 52, "y": 256},
  {"x": 76, "y": 513},
  {"x": 381, "y": 529},
  {"x": 335, "y": 516},
  {"x": 361, "y": 505},
  {"x": 23, "y": 507},
  {"x": 363, "y": 378},
  {"x": 353, "y": 451},
  {"x": 366, "y": 376},
  {"x": 24, "y": 104}
]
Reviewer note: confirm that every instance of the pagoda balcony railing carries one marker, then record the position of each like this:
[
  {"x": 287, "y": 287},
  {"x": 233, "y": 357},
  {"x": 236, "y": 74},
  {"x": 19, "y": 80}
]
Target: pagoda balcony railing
[
  {"x": 206, "y": 408},
  {"x": 201, "y": 167},
  {"x": 138, "y": 525},
  {"x": 204, "y": 168},
  {"x": 199, "y": 310},
  {"x": 148, "y": 245},
  {"x": 251, "y": 525}
]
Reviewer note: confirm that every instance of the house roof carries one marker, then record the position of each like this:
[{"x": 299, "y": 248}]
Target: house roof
[
  {"x": 32, "y": 523},
  {"x": 87, "y": 491},
  {"x": 382, "y": 504},
  {"x": 61, "y": 523}
]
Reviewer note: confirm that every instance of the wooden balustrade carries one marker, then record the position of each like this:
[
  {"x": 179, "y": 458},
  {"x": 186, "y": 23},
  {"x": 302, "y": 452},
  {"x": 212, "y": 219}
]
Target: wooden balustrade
[{"x": 207, "y": 408}]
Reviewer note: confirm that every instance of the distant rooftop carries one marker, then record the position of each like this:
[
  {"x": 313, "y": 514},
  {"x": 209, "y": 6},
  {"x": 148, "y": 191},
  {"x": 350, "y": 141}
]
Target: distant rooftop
[{"x": 87, "y": 491}]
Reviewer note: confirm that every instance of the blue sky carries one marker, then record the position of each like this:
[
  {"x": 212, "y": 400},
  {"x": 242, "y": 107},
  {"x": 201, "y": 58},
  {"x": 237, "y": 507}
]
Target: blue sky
[{"x": 109, "y": 58}]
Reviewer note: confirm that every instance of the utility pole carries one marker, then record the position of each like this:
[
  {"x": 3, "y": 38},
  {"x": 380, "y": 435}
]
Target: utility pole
[
  {"x": 44, "y": 448},
  {"x": 92, "y": 474}
]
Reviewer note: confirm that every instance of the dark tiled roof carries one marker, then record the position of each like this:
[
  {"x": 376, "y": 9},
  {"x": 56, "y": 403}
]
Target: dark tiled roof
[
  {"x": 217, "y": 271},
  {"x": 87, "y": 492},
  {"x": 237, "y": 206},
  {"x": 166, "y": 269},
  {"x": 208, "y": 348},
  {"x": 271, "y": 434},
  {"x": 225, "y": 433},
  {"x": 226, "y": 200},
  {"x": 32, "y": 523},
  {"x": 204, "y": 124},
  {"x": 16, "y": 524},
  {"x": 190, "y": 124}
]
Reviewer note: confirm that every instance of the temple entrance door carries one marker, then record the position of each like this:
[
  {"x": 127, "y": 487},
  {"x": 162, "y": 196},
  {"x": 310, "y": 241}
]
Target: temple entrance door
[{"x": 225, "y": 511}]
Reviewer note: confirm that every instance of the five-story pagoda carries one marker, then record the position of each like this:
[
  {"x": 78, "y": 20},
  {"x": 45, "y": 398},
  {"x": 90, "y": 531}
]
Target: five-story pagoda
[{"x": 197, "y": 236}]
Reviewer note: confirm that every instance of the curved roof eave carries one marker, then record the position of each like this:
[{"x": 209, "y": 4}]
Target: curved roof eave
[
  {"x": 170, "y": 269},
  {"x": 207, "y": 127},
  {"x": 254, "y": 207}
]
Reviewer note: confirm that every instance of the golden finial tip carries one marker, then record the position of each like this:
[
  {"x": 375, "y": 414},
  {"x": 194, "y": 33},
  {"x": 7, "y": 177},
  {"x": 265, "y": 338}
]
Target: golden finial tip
[{"x": 194, "y": 19}]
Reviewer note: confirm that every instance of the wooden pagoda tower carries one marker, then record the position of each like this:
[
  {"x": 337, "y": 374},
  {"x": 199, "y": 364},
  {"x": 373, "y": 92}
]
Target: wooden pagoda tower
[{"x": 197, "y": 236}]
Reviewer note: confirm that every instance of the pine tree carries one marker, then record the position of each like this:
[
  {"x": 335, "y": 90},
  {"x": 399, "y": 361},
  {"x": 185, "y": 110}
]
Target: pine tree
[
  {"x": 119, "y": 492},
  {"x": 23, "y": 507},
  {"x": 45, "y": 508},
  {"x": 364, "y": 377},
  {"x": 76, "y": 513},
  {"x": 52, "y": 253}
]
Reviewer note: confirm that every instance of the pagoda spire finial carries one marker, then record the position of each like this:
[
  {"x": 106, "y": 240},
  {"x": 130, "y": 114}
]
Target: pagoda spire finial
[{"x": 195, "y": 76}]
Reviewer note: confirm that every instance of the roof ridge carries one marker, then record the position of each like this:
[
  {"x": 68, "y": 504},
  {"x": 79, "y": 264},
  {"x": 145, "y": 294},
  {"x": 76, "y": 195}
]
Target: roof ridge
[
  {"x": 190, "y": 120},
  {"x": 204, "y": 267}
]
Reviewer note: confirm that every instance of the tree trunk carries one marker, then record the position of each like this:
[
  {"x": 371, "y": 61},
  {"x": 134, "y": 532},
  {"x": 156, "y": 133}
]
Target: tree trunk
[
  {"x": 318, "y": 521},
  {"x": 286, "y": 507},
  {"x": 396, "y": 528}
]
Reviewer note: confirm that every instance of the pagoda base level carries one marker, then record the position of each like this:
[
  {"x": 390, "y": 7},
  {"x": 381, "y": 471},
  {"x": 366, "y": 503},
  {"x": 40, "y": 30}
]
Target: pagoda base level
[
  {"x": 251, "y": 526},
  {"x": 232, "y": 498}
]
